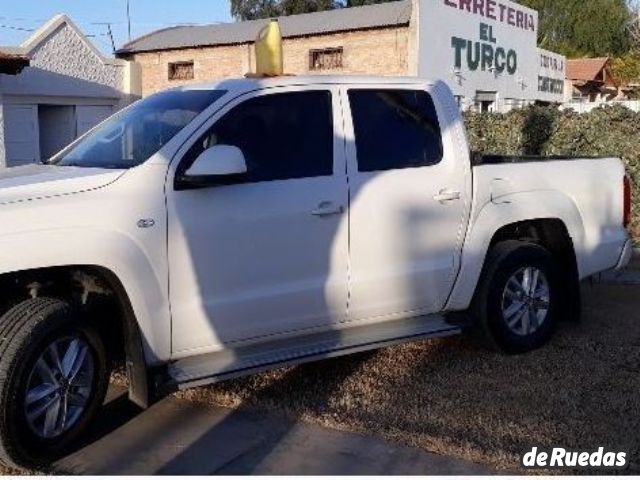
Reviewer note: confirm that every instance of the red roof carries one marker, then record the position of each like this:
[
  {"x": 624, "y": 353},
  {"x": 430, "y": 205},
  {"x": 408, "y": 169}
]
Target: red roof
[
  {"x": 11, "y": 64},
  {"x": 586, "y": 69}
]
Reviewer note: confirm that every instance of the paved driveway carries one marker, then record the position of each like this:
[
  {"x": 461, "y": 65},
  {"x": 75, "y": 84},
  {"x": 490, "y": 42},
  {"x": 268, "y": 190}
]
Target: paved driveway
[{"x": 177, "y": 437}]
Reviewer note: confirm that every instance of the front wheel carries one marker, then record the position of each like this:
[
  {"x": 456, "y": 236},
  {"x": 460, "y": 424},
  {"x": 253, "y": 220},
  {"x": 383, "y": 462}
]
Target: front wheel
[
  {"x": 519, "y": 297},
  {"x": 53, "y": 380}
]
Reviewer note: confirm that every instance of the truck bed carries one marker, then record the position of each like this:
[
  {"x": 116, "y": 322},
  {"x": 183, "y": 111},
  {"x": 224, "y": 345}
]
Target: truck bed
[
  {"x": 479, "y": 159},
  {"x": 589, "y": 190}
]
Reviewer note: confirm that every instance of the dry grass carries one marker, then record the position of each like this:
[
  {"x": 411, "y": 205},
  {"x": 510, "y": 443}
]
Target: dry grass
[
  {"x": 449, "y": 397},
  {"x": 10, "y": 471}
]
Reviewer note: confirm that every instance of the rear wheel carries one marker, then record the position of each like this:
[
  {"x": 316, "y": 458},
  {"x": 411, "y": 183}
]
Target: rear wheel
[
  {"x": 519, "y": 297},
  {"x": 53, "y": 380}
]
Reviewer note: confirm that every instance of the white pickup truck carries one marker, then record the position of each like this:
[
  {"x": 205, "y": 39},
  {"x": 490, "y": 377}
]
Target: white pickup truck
[{"x": 214, "y": 231}]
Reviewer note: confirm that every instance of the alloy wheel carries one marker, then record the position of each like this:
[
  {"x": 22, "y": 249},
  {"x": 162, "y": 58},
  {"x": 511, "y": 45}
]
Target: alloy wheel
[
  {"x": 59, "y": 387},
  {"x": 526, "y": 301}
]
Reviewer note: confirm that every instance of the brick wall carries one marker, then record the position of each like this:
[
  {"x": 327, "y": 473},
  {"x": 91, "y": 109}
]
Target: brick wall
[{"x": 383, "y": 51}]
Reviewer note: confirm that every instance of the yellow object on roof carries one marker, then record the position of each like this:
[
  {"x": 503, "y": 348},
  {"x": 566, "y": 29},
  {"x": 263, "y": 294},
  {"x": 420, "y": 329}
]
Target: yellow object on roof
[{"x": 269, "y": 62}]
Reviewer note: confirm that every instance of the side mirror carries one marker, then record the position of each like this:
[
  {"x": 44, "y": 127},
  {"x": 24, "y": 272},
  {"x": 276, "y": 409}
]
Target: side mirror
[{"x": 217, "y": 165}]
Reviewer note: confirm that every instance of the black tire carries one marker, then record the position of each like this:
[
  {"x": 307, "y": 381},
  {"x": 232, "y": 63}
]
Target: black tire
[
  {"x": 25, "y": 332},
  {"x": 503, "y": 261}
]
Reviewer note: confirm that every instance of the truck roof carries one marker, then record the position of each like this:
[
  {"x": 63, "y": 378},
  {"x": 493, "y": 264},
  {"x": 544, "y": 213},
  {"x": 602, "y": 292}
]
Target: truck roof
[{"x": 240, "y": 85}]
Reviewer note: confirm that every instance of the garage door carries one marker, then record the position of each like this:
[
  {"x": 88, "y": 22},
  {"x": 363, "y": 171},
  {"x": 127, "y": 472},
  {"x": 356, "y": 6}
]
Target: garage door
[
  {"x": 57, "y": 128},
  {"x": 88, "y": 117},
  {"x": 21, "y": 134}
]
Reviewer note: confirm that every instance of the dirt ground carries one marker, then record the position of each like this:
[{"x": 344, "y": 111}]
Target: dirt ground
[{"x": 450, "y": 397}]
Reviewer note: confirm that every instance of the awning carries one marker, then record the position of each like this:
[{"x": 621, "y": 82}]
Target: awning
[
  {"x": 12, "y": 64},
  {"x": 486, "y": 96}
]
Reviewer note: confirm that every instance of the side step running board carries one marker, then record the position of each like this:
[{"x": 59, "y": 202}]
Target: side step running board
[{"x": 214, "y": 367}]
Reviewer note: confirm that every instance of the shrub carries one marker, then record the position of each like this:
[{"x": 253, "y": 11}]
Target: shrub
[{"x": 609, "y": 131}]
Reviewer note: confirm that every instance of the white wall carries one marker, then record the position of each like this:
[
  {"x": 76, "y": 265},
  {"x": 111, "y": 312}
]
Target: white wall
[
  {"x": 551, "y": 76},
  {"x": 586, "y": 107}
]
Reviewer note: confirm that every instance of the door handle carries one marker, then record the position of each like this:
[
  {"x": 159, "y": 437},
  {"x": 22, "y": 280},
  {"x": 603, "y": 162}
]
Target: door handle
[
  {"x": 447, "y": 195},
  {"x": 326, "y": 209}
]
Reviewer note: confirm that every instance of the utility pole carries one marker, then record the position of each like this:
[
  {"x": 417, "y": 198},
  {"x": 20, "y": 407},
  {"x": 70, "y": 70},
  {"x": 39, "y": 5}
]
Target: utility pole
[
  {"x": 109, "y": 33},
  {"x": 129, "y": 19}
]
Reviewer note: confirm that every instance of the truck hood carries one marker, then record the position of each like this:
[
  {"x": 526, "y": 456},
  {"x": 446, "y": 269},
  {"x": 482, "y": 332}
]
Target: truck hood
[{"x": 33, "y": 182}]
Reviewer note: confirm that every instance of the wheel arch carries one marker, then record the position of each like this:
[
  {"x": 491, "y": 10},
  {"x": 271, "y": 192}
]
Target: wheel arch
[
  {"x": 558, "y": 233},
  {"x": 82, "y": 284}
]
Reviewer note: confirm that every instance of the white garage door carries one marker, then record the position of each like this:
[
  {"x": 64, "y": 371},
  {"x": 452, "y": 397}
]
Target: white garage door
[
  {"x": 88, "y": 117},
  {"x": 21, "y": 134}
]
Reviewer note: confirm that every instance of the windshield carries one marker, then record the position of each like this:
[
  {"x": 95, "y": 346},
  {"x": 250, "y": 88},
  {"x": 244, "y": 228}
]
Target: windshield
[{"x": 132, "y": 136}]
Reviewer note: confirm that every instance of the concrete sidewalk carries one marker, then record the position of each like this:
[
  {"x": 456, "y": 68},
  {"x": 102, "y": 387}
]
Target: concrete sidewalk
[{"x": 177, "y": 437}]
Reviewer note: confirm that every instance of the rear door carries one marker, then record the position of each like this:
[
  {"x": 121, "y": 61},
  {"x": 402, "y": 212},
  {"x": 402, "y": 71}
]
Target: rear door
[{"x": 408, "y": 202}]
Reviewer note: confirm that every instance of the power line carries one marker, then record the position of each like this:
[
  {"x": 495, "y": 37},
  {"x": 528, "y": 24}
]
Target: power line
[
  {"x": 20, "y": 29},
  {"x": 21, "y": 19}
]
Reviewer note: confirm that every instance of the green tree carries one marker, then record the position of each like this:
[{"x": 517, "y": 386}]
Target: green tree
[
  {"x": 584, "y": 28},
  {"x": 254, "y": 9}
]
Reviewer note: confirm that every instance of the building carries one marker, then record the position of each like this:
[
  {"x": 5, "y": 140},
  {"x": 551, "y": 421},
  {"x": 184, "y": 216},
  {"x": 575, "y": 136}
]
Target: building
[
  {"x": 590, "y": 80},
  {"x": 362, "y": 40},
  {"x": 486, "y": 50},
  {"x": 54, "y": 87}
]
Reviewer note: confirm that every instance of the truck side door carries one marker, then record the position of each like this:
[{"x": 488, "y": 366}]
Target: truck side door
[
  {"x": 409, "y": 187},
  {"x": 265, "y": 254}
]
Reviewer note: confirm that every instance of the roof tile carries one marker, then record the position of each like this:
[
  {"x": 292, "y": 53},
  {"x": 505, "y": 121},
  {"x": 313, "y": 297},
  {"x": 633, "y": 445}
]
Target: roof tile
[{"x": 585, "y": 69}]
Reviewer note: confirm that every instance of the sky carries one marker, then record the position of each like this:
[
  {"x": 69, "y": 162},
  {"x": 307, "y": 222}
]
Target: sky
[{"x": 18, "y": 18}]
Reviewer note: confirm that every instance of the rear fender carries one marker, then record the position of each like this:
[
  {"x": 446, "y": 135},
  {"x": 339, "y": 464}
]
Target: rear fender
[{"x": 507, "y": 210}]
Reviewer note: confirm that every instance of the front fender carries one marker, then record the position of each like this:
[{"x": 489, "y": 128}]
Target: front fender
[
  {"x": 144, "y": 282},
  {"x": 507, "y": 210}
]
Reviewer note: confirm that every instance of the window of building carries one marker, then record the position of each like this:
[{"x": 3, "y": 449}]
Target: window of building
[
  {"x": 395, "y": 129},
  {"x": 181, "y": 70},
  {"x": 278, "y": 136},
  {"x": 486, "y": 101},
  {"x": 325, "y": 59}
]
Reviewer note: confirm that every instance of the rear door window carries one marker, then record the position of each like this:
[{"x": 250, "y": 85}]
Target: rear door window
[{"x": 395, "y": 129}]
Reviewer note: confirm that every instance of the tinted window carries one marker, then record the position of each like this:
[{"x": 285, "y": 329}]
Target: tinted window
[
  {"x": 395, "y": 129},
  {"x": 282, "y": 136},
  {"x": 132, "y": 136}
]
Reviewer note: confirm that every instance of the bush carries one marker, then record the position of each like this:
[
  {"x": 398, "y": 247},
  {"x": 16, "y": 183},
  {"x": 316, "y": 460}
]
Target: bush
[{"x": 609, "y": 131}]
